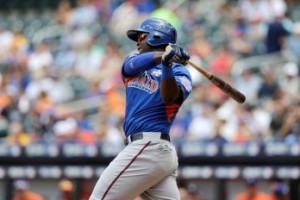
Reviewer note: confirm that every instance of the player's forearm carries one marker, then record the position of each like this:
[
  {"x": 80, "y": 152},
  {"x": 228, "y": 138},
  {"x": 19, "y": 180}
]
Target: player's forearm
[
  {"x": 142, "y": 62},
  {"x": 169, "y": 89}
]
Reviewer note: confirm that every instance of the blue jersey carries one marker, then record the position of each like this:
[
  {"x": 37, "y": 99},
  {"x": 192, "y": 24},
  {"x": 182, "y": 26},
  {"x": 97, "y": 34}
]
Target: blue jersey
[{"x": 145, "y": 110}]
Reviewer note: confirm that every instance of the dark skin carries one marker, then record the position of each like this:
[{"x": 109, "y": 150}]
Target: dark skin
[{"x": 169, "y": 90}]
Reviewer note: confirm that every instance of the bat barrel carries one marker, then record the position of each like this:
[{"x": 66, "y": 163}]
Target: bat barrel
[
  {"x": 225, "y": 87},
  {"x": 230, "y": 91}
]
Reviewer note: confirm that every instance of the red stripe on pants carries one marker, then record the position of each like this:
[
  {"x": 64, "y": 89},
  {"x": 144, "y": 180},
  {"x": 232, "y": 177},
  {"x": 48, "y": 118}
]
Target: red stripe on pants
[{"x": 132, "y": 160}]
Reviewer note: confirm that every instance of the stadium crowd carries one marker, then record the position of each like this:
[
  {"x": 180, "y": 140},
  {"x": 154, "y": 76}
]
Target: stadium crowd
[{"x": 78, "y": 57}]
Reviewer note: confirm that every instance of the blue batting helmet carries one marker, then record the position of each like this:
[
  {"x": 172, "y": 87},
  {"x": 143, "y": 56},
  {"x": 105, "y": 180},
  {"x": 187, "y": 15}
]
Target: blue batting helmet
[{"x": 160, "y": 32}]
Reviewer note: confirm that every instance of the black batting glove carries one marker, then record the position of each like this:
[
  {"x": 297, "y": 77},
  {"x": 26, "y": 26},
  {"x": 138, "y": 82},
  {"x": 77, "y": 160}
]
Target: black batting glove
[
  {"x": 175, "y": 53},
  {"x": 166, "y": 58}
]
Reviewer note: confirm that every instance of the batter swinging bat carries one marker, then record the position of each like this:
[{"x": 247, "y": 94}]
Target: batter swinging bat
[{"x": 225, "y": 87}]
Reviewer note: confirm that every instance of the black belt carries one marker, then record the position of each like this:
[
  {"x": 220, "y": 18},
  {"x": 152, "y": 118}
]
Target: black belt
[{"x": 139, "y": 136}]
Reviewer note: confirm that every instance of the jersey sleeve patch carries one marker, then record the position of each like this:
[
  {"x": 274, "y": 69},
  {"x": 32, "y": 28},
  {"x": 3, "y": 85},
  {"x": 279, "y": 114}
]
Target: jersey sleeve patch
[{"x": 186, "y": 83}]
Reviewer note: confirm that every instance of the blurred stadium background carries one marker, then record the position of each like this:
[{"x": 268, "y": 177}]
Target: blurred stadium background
[{"x": 62, "y": 100}]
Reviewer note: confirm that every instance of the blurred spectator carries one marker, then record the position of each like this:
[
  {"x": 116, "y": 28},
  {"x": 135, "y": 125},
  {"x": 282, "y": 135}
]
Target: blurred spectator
[
  {"x": 199, "y": 47},
  {"x": 115, "y": 103},
  {"x": 23, "y": 192},
  {"x": 285, "y": 121},
  {"x": 82, "y": 15},
  {"x": 243, "y": 134},
  {"x": 121, "y": 20},
  {"x": 201, "y": 127},
  {"x": 276, "y": 36},
  {"x": 266, "y": 11},
  {"x": 110, "y": 78},
  {"x": 81, "y": 87},
  {"x": 4, "y": 124},
  {"x": 40, "y": 58},
  {"x": 65, "y": 131},
  {"x": 252, "y": 191},
  {"x": 279, "y": 191},
  {"x": 238, "y": 33},
  {"x": 180, "y": 125},
  {"x": 183, "y": 193},
  {"x": 109, "y": 128},
  {"x": 250, "y": 9},
  {"x": 19, "y": 41},
  {"x": 86, "y": 133},
  {"x": 64, "y": 12},
  {"x": 66, "y": 58},
  {"x": 86, "y": 189},
  {"x": 66, "y": 190},
  {"x": 223, "y": 61},
  {"x": 228, "y": 116},
  {"x": 144, "y": 6},
  {"x": 6, "y": 38},
  {"x": 218, "y": 138},
  {"x": 256, "y": 33},
  {"x": 167, "y": 12},
  {"x": 5, "y": 100},
  {"x": 293, "y": 41},
  {"x": 269, "y": 87},
  {"x": 89, "y": 54},
  {"x": 16, "y": 135},
  {"x": 43, "y": 103},
  {"x": 290, "y": 82},
  {"x": 56, "y": 89},
  {"x": 60, "y": 90},
  {"x": 290, "y": 128},
  {"x": 248, "y": 83},
  {"x": 33, "y": 122},
  {"x": 257, "y": 121},
  {"x": 189, "y": 192},
  {"x": 104, "y": 9}
]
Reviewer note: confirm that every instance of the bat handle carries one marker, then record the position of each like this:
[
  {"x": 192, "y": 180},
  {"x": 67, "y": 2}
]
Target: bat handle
[{"x": 202, "y": 71}]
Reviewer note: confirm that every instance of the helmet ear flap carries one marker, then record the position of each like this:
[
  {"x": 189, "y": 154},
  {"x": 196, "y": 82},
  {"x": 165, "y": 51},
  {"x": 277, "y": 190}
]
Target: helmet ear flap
[{"x": 156, "y": 36}]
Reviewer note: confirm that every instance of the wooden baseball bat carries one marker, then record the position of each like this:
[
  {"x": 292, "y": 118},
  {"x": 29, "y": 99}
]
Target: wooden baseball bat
[{"x": 225, "y": 87}]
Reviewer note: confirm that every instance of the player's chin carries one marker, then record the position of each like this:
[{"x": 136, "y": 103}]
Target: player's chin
[{"x": 141, "y": 50}]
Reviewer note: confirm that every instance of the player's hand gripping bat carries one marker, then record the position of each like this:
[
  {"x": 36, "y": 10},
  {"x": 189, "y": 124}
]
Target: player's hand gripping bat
[{"x": 225, "y": 87}]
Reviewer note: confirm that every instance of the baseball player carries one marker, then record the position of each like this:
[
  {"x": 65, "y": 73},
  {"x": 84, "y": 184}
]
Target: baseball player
[{"x": 157, "y": 83}]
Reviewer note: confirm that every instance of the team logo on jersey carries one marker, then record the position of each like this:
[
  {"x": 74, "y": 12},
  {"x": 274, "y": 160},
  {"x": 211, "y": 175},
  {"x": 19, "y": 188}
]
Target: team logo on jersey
[
  {"x": 144, "y": 82},
  {"x": 156, "y": 73}
]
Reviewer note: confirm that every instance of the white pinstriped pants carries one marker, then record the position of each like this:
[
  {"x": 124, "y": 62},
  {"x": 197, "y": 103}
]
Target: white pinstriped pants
[{"x": 146, "y": 167}]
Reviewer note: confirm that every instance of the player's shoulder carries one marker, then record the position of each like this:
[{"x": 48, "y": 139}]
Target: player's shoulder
[
  {"x": 132, "y": 54},
  {"x": 178, "y": 68}
]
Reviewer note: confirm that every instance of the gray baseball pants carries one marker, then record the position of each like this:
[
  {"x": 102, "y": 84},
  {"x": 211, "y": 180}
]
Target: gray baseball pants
[{"x": 145, "y": 167}]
